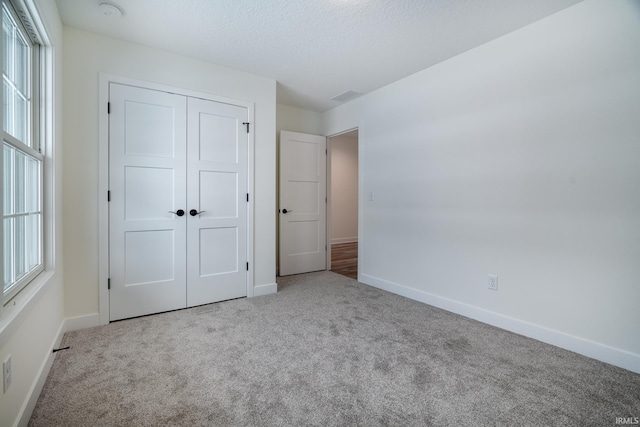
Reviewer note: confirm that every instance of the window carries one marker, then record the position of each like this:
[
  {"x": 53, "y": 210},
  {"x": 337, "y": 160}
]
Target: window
[{"x": 21, "y": 157}]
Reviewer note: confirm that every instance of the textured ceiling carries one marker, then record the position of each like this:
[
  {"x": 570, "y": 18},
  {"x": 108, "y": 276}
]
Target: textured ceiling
[{"x": 315, "y": 49}]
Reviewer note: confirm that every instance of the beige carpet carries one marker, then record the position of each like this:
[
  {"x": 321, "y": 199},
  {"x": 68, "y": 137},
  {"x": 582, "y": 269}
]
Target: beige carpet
[{"x": 325, "y": 350}]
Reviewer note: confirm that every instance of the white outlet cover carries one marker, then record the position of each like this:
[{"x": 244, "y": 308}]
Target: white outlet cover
[
  {"x": 6, "y": 374},
  {"x": 493, "y": 282}
]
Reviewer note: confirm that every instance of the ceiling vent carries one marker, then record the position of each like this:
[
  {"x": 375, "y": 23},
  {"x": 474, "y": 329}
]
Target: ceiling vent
[{"x": 346, "y": 96}]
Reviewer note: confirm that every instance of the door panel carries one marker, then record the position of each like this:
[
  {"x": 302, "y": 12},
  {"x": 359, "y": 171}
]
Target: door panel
[
  {"x": 219, "y": 138},
  {"x": 147, "y": 180},
  {"x": 145, "y": 192},
  {"x": 218, "y": 251},
  {"x": 217, "y": 176},
  {"x": 219, "y": 194},
  {"x": 306, "y": 241},
  {"x": 149, "y": 130},
  {"x": 150, "y": 257},
  {"x": 303, "y": 195},
  {"x": 307, "y": 197}
]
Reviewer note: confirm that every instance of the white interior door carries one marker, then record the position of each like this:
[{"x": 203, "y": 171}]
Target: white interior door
[
  {"x": 217, "y": 202},
  {"x": 178, "y": 201},
  {"x": 147, "y": 180},
  {"x": 303, "y": 212}
]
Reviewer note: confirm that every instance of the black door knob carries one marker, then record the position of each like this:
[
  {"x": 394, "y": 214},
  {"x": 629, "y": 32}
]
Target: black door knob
[
  {"x": 284, "y": 211},
  {"x": 194, "y": 212},
  {"x": 179, "y": 212}
]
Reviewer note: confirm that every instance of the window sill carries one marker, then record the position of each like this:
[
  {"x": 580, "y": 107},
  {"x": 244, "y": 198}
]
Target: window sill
[{"x": 14, "y": 313}]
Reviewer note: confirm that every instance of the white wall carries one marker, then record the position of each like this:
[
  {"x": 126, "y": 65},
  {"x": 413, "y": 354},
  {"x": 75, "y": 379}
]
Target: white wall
[
  {"x": 88, "y": 54},
  {"x": 344, "y": 188},
  {"x": 298, "y": 120},
  {"x": 517, "y": 158},
  {"x": 32, "y": 324}
]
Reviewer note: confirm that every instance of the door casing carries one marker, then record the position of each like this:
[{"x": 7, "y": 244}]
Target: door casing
[{"x": 103, "y": 178}]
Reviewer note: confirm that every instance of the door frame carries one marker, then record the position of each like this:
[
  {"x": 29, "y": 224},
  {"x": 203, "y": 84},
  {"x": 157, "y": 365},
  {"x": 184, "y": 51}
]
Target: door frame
[
  {"x": 103, "y": 177},
  {"x": 328, "y": 205},
  {"x": 329, "y": 227}
]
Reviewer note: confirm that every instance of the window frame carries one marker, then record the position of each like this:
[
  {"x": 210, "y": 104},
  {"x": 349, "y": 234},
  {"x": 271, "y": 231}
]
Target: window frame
[{"x": 34, "y": 146}]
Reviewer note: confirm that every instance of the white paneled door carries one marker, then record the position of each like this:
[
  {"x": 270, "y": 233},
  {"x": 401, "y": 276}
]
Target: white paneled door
[
  {"x": 177, "y": 210},
  {"x": 303, "y": 210},
  {"x": 217, "y": 202}
]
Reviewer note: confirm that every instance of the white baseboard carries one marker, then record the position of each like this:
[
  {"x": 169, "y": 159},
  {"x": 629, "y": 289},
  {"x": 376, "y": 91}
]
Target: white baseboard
[
  {"x": 339, "y": 240},
  {"x": 81, "y": 322},
  {"x": 36, "y": 388},
  {"x": 594, "y": 350},
  {"x": 268, "y": 289},
  {"x": 67, "y": 325}
]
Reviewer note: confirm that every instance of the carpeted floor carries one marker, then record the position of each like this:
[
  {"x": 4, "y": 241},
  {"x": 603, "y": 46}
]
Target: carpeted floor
[{"x": 325, "y": 350}]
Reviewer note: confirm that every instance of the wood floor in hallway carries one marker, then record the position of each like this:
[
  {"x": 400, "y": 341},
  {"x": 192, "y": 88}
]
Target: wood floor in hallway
[{"x": 344, "y": 259}]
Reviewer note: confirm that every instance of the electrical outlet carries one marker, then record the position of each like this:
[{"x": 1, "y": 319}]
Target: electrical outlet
[
  {"x": 493, "y": 282},
  {"x": 6, "y": 374}
]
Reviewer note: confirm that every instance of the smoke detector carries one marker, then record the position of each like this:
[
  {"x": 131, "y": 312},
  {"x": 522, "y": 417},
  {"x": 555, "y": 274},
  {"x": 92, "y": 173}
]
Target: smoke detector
[{"x": 109, "y": 9}]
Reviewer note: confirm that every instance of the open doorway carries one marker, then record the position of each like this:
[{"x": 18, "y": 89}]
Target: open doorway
[{"x": 343, "y": 203}]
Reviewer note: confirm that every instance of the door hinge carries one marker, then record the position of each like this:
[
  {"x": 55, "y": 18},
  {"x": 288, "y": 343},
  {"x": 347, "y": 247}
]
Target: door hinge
[
  {"x": 109, "y": 196},
  {"x": 247, "y": 266},
  {"x": 247, "y": 197},
  {"x": 247, "y": 125},
  {"x": 109, "y": 283},
  {"x": 108, "y": 108}
]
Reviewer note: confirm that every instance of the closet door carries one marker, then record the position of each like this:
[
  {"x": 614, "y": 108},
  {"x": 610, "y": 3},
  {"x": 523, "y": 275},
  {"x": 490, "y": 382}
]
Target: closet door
[
  {"x": 147, "y": 181},
  {"x": 178, "y": 209},
  {"x": 217, "y": 146}
]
